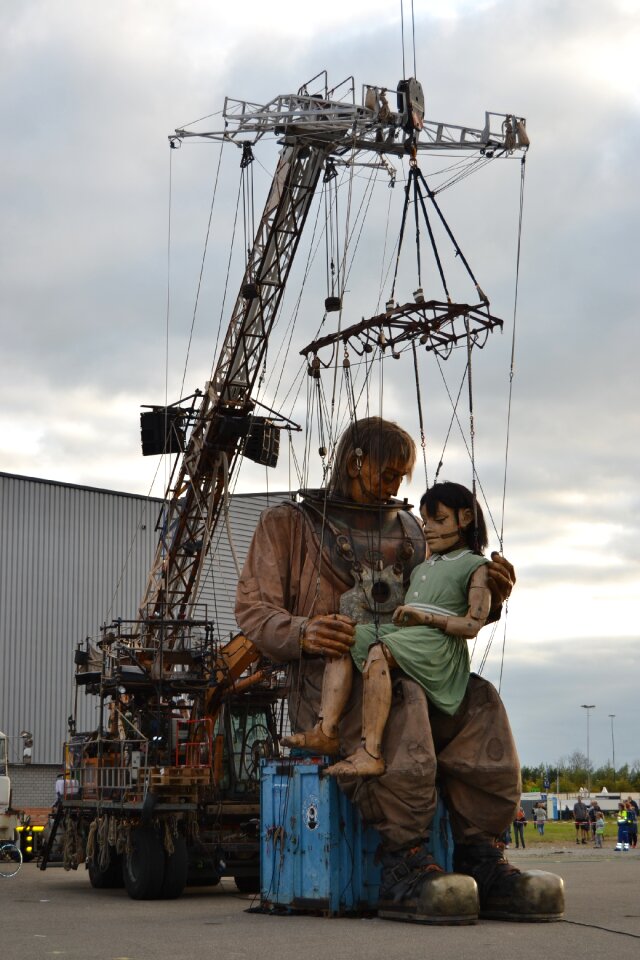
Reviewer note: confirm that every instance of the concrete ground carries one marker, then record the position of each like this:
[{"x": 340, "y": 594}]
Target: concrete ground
[{"x": 57, "y": 914}]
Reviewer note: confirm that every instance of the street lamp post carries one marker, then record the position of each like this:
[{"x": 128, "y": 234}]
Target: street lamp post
[
  {"x": 613, "y": 749},
  {"x": 588, "y": 707}
]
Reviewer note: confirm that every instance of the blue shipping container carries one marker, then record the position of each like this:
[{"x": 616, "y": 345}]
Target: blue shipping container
[{"x": 316, "y": 853}]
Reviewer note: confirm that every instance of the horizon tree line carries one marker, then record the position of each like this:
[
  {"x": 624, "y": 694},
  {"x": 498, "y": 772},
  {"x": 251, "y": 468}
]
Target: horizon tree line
[{"x": 569, "y": 774}]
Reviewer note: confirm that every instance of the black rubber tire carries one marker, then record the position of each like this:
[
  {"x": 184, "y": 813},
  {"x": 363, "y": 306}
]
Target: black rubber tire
[
  {"x": 204, "y": 880},
  {"x": 143, "y": 866},
  {"x": 176, "y": 868},
  {"x": 249, "y": 884},
  {"x": 204, "y": 868},
  {"x": 111, "y": 877}
]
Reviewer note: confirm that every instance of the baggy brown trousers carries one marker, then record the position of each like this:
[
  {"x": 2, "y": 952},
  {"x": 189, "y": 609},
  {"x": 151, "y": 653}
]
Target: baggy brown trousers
[{"x": 472, "y": 755}]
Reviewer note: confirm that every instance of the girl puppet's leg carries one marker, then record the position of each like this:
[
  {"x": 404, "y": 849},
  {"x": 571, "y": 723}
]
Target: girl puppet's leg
[
  {"x": 367, "y": 761},
  {"x": 336, "y": 687}
]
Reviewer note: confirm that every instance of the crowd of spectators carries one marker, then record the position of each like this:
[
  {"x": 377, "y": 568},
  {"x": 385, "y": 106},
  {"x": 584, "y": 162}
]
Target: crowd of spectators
[{"x": 590, "y": 823}]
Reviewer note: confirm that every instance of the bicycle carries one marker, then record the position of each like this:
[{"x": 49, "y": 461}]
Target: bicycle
[{"x": 10, "y": 859}]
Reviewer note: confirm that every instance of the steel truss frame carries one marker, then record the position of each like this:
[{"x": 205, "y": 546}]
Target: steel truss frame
[{"x": 432, "y": 323}]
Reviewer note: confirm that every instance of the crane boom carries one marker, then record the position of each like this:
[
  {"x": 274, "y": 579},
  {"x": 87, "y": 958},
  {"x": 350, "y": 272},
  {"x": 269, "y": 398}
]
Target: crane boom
[{"x": 223, "y": 419}]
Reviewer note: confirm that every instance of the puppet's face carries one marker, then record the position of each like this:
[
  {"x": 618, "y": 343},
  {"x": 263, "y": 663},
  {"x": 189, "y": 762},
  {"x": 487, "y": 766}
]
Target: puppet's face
[
  {"x": 444, "y": 530},
  {"x": 371, "y": 483}
]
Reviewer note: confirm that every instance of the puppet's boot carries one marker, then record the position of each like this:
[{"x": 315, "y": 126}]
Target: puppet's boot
[
  {"x": 414, "y": 888},
  {"x": 507, "y": 893}
]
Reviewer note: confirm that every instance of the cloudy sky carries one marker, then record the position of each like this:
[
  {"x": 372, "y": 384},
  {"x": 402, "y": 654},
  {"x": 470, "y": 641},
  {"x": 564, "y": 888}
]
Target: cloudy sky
[{"x": 98, "y": 292}]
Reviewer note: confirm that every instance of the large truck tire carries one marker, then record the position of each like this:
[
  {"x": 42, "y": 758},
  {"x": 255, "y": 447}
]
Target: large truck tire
[
  {"x": 204, "y": 868},
  {"x": 248, "y": 884},
  {"x": 109, "y": 877},
  {"x": 143, "y": 865},
  {"x": 176, "y": 868}
]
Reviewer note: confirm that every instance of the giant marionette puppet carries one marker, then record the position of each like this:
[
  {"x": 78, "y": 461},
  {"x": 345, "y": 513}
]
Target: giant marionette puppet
[
  {"x": 303, "y": 559},
  {"x": 346, "y": 553}
]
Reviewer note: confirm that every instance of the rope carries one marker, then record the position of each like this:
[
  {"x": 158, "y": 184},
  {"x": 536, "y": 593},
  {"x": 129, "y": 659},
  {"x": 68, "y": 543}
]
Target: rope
[
  {"x": 72, "y": 852},
  {"x": 91, "y": 839},
  {"x": 472, "y": 430},
  {"x": 513, "y": 348},
  {"x": 417, "y": 221},
  {"x": 122, "y": 840},
  {"x": 511, "y": 379},
  {"x": 434, "y": 247},
  {"x": 413, "y": 33},
  {"x": 102, "y": 838},
  {"x": 226, "y": 280},
  {"x": 225, "y": 507},
  {"x": 200, "y": 276},
  {"x": 446, "y": 226},
  {"x": 404, "y": 69},
  {"x": 405, "y": 207},
  {"x": 423, "y": 442},
  {"x": 168, "y": 834},
  {"x": 167, "y": 320}
]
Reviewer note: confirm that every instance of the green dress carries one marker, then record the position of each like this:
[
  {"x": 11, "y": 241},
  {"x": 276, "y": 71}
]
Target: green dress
[{"x": 439, "y": 662}]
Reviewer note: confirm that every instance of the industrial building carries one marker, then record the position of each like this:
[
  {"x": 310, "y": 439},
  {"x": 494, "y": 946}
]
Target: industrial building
[{"x": 73, "y": 558}]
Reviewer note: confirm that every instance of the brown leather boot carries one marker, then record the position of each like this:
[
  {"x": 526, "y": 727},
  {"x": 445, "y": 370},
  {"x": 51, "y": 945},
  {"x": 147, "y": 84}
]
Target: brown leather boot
[
  {"x": 507, "y": 893},
  {"x": 414, "y": 888}
]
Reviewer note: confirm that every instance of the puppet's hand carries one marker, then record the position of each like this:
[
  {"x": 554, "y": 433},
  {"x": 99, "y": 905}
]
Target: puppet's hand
[
  {"x": 405, "y": 616},
  {"x": 501, "y": 577},
  {"x": 331, "y": 635}
]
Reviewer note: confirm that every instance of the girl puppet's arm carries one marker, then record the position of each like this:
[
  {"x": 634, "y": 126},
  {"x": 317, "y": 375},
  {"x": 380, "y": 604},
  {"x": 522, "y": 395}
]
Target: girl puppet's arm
[{"x": 468, "y": 626}]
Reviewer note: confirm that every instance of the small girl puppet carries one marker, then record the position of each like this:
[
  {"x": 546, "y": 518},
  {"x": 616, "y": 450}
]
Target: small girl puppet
[{"x": 447, "y": 603}]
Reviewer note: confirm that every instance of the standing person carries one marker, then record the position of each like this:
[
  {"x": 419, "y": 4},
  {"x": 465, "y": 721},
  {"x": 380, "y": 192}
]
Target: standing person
[
  {"x": 623, "y": 827},
  {"x": 351, "y": 547},
  {"x": 593, "y": 815},
  {"x": 599, "y": 828},
  {"x": 632, "y": 823},
  {"x": 540, "y": 814},
  {"x": 581, "y": 817},
  {"x": 519, "y": 823}
]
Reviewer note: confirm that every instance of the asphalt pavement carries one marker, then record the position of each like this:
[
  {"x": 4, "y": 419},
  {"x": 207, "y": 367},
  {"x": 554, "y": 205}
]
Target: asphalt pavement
[{"x": 57, "y": 914}]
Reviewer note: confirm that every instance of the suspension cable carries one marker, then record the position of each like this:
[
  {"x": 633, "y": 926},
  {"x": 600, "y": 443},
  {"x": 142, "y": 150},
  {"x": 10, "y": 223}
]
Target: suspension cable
[
  {"x": 413, "y": 31},
  {"x": 417, "y": 222},
  {"x": 423, "y": 442},
  {"x": 434, "y": 246},
  {"x": 472, "y": 428},
  {"x": 201, "y": 274},
  {"x": 403, "y": 222},
  {"x": 446, "y": 226},
  {"x": 513, "y": 348},
  {"x": 404, "y": 71}
]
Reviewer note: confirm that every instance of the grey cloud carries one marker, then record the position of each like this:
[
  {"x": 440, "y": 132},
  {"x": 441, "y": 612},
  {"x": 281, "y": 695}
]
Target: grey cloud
[{"x": 543, "y": 686}]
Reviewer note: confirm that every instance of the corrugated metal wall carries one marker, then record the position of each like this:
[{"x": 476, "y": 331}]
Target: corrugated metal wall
[
  {"x": 218, "y": 584},
  {"x": 72, "y": 558}
]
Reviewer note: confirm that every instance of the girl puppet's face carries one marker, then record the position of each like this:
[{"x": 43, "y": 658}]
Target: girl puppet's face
[{"x": 444, "y": 530}]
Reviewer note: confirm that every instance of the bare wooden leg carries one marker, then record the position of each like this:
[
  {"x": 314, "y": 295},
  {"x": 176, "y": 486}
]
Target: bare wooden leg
[
  {"x": 336, "y": 687},
  {"x": 367, "y": 760}
]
